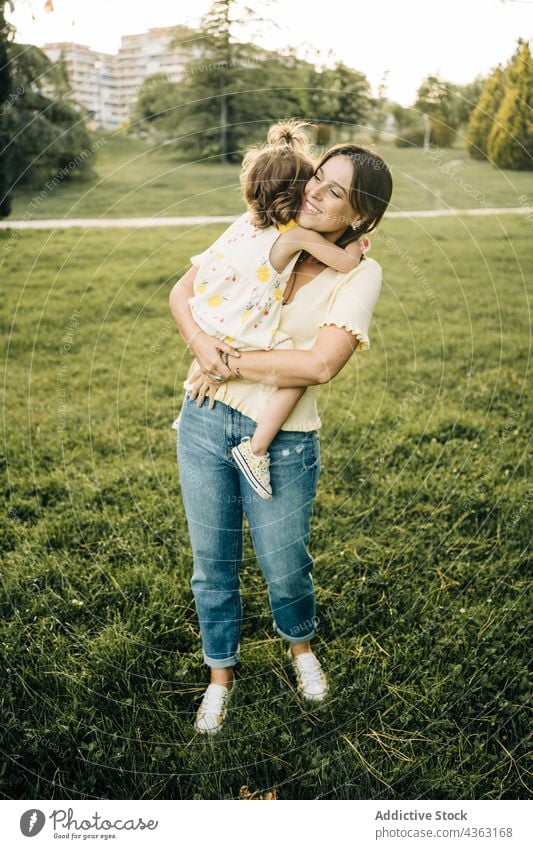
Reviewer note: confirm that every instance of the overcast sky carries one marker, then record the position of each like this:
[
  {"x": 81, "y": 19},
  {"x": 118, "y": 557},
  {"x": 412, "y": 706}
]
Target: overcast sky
[{"x": 456, "y": 39}]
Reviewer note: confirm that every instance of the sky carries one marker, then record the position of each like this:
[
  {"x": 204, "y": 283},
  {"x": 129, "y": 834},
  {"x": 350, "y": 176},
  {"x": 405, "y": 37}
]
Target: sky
[{"x": 456, "y": 39}]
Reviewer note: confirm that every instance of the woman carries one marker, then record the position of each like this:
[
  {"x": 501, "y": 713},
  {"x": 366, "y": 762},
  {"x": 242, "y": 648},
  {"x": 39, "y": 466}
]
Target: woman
[{"x": 327, "y": 314}]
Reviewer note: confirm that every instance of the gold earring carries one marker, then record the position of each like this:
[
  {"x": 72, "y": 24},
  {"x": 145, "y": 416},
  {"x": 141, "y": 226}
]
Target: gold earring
[{"x": 355, "y": 224}]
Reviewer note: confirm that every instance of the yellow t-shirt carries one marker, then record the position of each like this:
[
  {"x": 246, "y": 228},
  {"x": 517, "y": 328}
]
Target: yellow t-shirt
[{"x": 346, "y": 300}]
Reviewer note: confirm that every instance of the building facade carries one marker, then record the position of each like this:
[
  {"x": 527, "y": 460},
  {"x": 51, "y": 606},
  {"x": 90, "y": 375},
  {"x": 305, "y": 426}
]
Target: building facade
[{"x": 106, "y": 84}]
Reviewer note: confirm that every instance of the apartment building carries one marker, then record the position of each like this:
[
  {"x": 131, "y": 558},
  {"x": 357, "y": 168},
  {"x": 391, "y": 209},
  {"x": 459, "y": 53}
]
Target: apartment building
[{"x": 106, "y": 84}]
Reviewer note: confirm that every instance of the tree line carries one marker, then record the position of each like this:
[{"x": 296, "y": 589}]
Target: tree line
[
  {"x": 494, "y": 113},
  {"x": 232, "y": 90}
]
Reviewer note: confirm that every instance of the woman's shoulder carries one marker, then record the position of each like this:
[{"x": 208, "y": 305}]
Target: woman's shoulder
[
  {"x": 370, "y": 264},
  {"x": 368, "y": 271}
]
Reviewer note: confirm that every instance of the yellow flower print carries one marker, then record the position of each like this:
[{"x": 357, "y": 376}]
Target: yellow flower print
[
  {"x": 201, "y": 288},
  {"x": 245, "y": 315},
  {"x": 278, "y": 295},
  {"x": 229, "y": 339},
  {"x": 263, "y": 273},
  {"x": 214, "y": 301}
]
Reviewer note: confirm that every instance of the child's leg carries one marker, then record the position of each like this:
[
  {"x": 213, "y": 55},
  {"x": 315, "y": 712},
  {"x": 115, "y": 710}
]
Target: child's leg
[
  {"x": 251, "y": 454},
  {"x": 274, "y": 415}
]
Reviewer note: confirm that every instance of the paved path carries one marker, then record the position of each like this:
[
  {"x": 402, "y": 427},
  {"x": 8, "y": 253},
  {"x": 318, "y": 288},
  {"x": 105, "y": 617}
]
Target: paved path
[{"x": 192, "y": 220}]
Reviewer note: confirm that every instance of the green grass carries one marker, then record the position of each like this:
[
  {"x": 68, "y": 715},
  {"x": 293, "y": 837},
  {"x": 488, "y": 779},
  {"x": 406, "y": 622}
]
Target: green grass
[
  {"x": 419, "y": 535},
  {"x": 134, "y": 180}
]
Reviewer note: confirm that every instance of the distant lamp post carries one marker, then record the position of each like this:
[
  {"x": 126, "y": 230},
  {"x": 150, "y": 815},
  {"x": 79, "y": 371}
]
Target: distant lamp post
[{"x": 427, "y": 132}]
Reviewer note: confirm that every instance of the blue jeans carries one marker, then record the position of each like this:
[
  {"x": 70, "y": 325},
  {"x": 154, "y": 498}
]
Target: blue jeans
[{"x": 216, "y": 496}]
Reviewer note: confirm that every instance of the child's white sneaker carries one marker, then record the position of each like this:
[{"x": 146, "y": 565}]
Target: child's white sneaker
[
  {"x": 212, "y": 711},
  {"x": 255, "y": 468},
  {"x": 312, "y": 682}
]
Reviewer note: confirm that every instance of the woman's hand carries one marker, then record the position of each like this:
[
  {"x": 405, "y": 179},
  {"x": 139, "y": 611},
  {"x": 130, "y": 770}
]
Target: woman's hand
[
  {"x": 201, "y": 387},
  {"x": 207, "y": 350}
]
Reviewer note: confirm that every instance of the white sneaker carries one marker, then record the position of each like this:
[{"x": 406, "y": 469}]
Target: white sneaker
[
  {"x": 255, "y": 468},
  {"x": 312, "y": 682},
  {"x": 212, "y": 711}
]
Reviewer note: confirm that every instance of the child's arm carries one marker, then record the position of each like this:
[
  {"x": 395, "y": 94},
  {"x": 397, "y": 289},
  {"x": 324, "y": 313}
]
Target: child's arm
[{"x": 300, "y": 239}]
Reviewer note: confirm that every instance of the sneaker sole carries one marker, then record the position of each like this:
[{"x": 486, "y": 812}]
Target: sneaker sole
[{"x": 256, "y": 485}]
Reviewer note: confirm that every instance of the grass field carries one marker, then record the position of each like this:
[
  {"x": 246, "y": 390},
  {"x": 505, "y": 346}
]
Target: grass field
[
  {"x": 420, "y": 531},
  {"x": 134, "y": 180}
]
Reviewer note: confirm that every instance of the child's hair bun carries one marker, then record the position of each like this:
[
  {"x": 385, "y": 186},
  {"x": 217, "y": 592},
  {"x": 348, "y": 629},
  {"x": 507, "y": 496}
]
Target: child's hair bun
[{"x": 290, "y": 133}]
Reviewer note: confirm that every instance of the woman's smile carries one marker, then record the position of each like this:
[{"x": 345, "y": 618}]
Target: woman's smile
[{"x": 310, "y": 208}]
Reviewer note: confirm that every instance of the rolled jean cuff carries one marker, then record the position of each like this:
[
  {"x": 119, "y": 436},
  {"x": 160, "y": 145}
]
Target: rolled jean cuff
[
  {"x": 223, "y": 663},
  {"x": 301, "y": 638}
]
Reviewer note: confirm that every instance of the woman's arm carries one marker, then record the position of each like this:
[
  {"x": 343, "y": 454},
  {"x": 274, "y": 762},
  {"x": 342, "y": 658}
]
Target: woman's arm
[
  {"x": 179, "y": 304},
  {"x": 332, "y": 349},
  {"x": 299, "y": 239},
  {"x": 205, "y": 348}
]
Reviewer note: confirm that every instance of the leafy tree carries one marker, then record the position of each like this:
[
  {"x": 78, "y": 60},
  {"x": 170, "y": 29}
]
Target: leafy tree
[
  {"x": 47, "y": 130},
  {"x": 482, "y": 116},
  {"x": 438, "y": 100},
  {"x": 337, "y": 95},
  {"x": 231, "y": 88},
  {"x": 157, "y": 97},
  {"x": 409, "y": 126},
  {"x": 467, "y": 97},
  {"x": 510, "y": 140},
  {"x": 6, "y": 102},
  {"x": 230, "y": 93}
]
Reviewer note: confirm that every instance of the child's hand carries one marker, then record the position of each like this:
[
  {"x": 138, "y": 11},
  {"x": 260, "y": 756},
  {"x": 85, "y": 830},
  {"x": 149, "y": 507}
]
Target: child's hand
[
  {"x": 355, "y": 249},
  {"x": 358, "y": 248},
  {"x": 207, "y": 350}
]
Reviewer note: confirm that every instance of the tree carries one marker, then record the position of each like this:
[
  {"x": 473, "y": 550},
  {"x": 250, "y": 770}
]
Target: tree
[
  {"x": 467, "y": 98},
  {"x": 510, "y": 140},
  {"x": 47, "y": 131},
  {"x": 157, "y": 97},
  {"x": 229, "y": 88},
  {"x": 482, "y": 116},
  {"x": 6, "y": 102},
  {"x": 437, "y": 99},
  {"x": 409, "y": 126},
  {"x": 337, "y": 96}
]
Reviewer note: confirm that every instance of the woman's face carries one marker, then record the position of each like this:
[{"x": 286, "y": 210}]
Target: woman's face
[{"x": 326, "y": 207}]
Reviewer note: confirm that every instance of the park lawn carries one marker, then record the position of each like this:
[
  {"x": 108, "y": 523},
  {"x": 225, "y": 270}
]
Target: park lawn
[
  {"x": 135, "y": 180},
  {"x": 419, "y": 535}
]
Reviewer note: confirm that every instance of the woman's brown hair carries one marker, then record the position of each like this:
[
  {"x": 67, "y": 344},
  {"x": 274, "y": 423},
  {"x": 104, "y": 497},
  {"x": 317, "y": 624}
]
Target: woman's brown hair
[
  {"x": 273, "y": 177},
  {"x": 370, "y": 189}
]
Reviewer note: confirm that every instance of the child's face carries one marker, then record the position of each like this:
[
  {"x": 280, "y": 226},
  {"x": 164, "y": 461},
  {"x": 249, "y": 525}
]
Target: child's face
[{"x": 326, "y": 207}]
